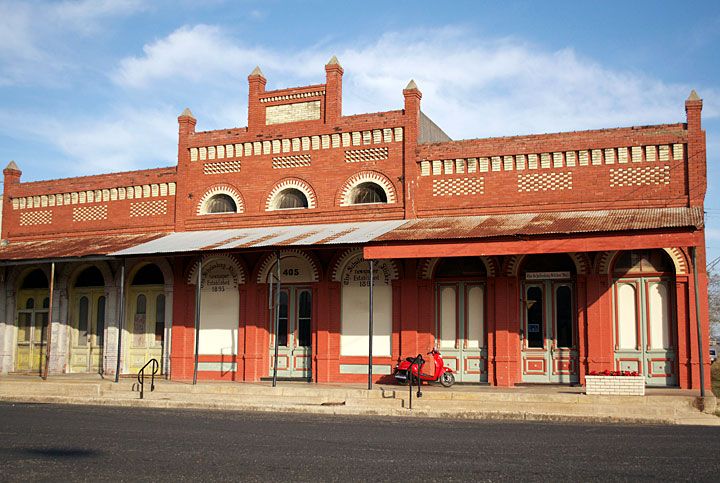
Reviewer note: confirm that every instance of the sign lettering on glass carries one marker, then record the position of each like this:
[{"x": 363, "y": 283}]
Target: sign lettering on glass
[{"x": 547, "y": 275}]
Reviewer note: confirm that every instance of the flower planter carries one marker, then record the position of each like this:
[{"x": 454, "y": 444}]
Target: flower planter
[{"x": 615, "y": 385}]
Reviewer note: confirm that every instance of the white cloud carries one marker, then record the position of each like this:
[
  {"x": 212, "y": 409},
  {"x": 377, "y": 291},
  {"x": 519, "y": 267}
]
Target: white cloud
[
  {"x": 32, "y": 32},
  {"x": 125, "y": 139},
  {"x": 83, "y": 15},
  {"x": 472, "y": 87},
  {"x": 202, "y": 53}
]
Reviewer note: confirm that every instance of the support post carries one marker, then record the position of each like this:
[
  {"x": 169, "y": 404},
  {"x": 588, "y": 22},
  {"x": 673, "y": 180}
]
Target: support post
[
  {"x": 198, "y": 288},
  {"x": 701, "y": 349},
  {"x": 121, "y": 320},
  {"x": 370, "y": 326},
  {"x": 48, "y": 342},
  {"x": 276, "y": 322}
]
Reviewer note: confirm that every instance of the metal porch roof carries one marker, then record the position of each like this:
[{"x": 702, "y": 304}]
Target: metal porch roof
[
  {"x": 71, "y": 247},
  {"x": 551, "y": 223},
  {"x": 321, "y": 234}
]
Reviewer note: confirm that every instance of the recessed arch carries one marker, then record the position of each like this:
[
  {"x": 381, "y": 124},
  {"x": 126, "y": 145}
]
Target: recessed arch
[
  {"x": 310, "y": 262},
  {"x": 345, "y": 194},
  {"x": 607, "y": 259},
  {"x": 233, "y": 263},
  {"x": 205, "y": 204},
  {"x": 353, "y": 254},
  {"x": 271, "y": 202},
  {"x": 68, "y": 278},
  {"x": 135, "y": 265},
  {"x": 513, "y": 263},
  {"x": 426, "y": 268}
]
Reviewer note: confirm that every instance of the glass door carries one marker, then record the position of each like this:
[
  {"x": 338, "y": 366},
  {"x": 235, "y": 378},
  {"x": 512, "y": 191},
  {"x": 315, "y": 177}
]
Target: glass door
[
  {"x": 548, "y": 333},
  {"x": 460, "y": 329},
  {"x": 32, "y": 321},
  {"x": 88, "y": 330},
  {"x": 294, "y": 333}
]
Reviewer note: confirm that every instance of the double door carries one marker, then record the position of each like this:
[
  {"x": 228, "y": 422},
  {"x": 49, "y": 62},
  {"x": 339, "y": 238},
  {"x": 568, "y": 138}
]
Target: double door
[
  {"x": 460, "y": 329},
  {"x": 145, "y": 326},
  {"x": 87, "y": 330},
  {"x": 549, "y": 333},
  {"x": 32, "y": 323},
  {"x": 294, "y": 333},
  {"x": 644, "y": 329}
]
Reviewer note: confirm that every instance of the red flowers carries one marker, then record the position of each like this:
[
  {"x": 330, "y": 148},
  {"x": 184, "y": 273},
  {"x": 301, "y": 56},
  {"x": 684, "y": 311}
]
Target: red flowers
[{"x": 613, "y": 373}]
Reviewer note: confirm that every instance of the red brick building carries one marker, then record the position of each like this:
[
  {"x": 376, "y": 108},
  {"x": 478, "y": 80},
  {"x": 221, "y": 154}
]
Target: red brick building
[{"x": 524, "y": 259}]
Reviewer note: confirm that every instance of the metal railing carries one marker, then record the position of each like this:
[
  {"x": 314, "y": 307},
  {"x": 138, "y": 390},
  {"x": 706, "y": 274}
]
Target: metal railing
[
  {"x": 418, "y": 362},
  {"x": 141, "y": 376}
]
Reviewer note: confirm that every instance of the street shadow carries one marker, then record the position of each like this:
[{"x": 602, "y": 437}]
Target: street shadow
[{"x": 60, "y": 453}]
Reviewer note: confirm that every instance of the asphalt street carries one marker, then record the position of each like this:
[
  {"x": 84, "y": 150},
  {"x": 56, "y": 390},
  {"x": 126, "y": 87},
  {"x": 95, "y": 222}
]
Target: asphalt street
[{"x": 61, "y": 443}]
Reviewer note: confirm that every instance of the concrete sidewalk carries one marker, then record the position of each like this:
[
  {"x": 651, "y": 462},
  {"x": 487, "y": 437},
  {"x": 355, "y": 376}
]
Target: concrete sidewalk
[{"x": 537, "y": 403}]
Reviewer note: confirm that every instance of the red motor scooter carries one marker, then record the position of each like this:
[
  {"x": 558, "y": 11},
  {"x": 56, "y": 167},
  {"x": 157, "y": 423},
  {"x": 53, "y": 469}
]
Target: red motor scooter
[{"x": 432, "y": 370}]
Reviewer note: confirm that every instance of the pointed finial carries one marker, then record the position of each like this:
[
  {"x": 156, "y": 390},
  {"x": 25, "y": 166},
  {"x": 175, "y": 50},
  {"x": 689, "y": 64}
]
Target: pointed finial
[
  {"x": 188, "y": 113},
  {"x": 12, "y": 165},
  {"x": 411, "y": 85},
  {"x": 257, "y": 71},
  {"x": 333, "y": 61},
  {"x": 693, "y": 96}
]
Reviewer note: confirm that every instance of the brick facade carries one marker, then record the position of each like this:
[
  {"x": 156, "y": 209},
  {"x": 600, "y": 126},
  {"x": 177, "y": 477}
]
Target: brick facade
[{"x": 298, "y": 138}]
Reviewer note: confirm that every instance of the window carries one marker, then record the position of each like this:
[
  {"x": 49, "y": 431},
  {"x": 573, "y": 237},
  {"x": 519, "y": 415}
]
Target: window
[
  {"x": 367, "y": 193},
  {"x": 290, "y": 198},
  {"x": 221, "y": 203}
]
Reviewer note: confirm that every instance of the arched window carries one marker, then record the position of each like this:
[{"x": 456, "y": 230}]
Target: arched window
[
  {"x": 221, "y": 203},
  {"x": 643, "y": 261},
  {"x": 290, "y": 198},
  {"x": 35, "y": 279},
  {"x": 368, "y": 192},
  {"x": 150, "y": 274},
  {"x": 90, "y": 277}
]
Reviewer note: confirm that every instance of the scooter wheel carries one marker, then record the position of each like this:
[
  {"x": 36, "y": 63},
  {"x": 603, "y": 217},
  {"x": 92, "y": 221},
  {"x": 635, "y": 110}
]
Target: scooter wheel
[{"x": 447, "y": 379}]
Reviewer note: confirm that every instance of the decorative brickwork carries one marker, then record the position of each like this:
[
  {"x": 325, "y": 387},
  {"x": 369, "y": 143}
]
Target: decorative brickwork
[
  {"x": 299, "y": 111},
  {"x": 288, "y": 97},
  {"x": 223, "y": 189},
  {"x": 556, "y": 159},
  {"x": 544, "y": 181},
  {"x": 94, "y": 196},
  {"x": 222, "y": 167},
  {"x": 299, "y": 161},
  {"x": 295, "y": 183},
  {"x": 655, "y": 175},
  {"x": 90, "y": 213},
  {"x": 148, "y": 208},
  {"x": 36, "y": 218},
  {"x": 369, "y": 154},
  {"x": 364, "y": 177},
  {"x": 458, "y": 187}
]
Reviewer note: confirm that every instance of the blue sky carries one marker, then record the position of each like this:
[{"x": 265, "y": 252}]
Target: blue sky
[{"x": 96, "y": 86}]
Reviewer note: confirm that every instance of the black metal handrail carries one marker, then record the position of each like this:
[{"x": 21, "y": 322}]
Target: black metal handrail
[
  {"x": 141, "y": 376},
  {"x": 419, "y": 362}
]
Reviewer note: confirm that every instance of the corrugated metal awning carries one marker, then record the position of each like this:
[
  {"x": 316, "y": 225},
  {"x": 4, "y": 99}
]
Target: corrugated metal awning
[
  {"x": 551, "y": 223},
  {"x": 298, "y": 235},
  {"x": 71, "y": 247}
]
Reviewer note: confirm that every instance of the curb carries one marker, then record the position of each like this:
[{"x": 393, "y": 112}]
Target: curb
[{"x": 342, "y": 410}]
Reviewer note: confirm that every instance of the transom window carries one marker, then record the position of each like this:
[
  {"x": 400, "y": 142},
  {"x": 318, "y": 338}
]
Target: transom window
[
  {"x": 221, "y": 203},
  {"x": 290, "y": 198},
  {"x": 368, "y": 192}
]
